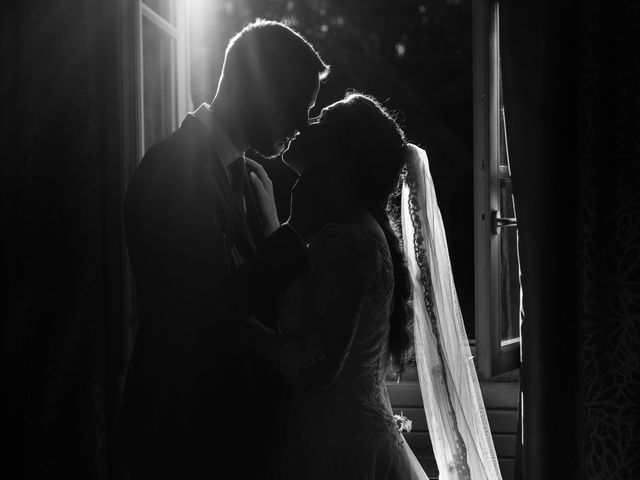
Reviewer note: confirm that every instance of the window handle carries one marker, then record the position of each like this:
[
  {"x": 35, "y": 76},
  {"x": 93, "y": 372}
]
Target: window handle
[{"x": 499, "y": 222}]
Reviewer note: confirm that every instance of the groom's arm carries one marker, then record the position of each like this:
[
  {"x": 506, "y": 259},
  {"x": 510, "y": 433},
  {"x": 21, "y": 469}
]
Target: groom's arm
[
  {"x": 180, "y": 251},
  {"x": 210, "y": 284},
  {"x": 265, "y": 274}
]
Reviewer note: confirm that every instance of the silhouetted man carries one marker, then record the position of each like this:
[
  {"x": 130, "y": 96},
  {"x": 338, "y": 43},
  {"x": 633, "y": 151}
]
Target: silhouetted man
[{"x": 205, "y": 260}]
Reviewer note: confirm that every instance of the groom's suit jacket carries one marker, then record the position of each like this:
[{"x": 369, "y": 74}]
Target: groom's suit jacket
[{"x": 196, "y": 401}]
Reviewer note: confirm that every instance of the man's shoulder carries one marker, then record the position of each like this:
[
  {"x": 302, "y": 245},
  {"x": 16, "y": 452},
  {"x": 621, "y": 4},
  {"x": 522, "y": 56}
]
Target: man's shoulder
[
  {"x": 172, "y": 163},
  {"x": 189, "y": 140},
  {"x": 185, "y": 151}
]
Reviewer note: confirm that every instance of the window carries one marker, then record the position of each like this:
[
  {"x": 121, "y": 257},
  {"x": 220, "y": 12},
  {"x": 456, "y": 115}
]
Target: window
[
  {"x": 163, "y": 68},
  {"x": 435, "y": 62},
  {"x": 497, "y": 273}
]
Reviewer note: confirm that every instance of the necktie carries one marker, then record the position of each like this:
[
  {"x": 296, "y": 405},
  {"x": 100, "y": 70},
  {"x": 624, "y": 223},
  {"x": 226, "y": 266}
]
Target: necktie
[{"x": 236, "y": 177}]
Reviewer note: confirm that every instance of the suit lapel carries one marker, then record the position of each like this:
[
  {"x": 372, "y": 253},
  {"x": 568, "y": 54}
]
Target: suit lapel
[
  {"x": 244, "y": 238},
  {"x": 240, "y": 233},
  {"x": 254, "y": 219}
]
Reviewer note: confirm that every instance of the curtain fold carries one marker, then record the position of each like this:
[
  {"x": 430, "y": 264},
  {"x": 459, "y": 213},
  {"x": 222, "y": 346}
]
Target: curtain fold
[
  {"x": 61, "y": 239},
  {"x": 454, "y": 408},
  {"x": 538, "y": 47},
  {"x": 571, "y": 87}
]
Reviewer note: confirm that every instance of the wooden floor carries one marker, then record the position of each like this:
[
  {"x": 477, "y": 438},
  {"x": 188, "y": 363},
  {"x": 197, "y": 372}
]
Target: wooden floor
[{"x": 501, "y": 404}]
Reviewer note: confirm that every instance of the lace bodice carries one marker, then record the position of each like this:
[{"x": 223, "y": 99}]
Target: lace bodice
[
  {"x": 337, "y": 421},
  {"x": 343, "y": 321}
]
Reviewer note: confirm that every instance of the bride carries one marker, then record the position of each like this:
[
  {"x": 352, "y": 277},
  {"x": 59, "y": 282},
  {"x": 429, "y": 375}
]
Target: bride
[{"x": 348, "y": 318}]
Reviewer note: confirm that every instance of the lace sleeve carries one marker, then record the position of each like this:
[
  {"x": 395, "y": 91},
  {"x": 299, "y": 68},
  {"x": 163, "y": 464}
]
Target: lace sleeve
[{"x": 336, "y": 285}]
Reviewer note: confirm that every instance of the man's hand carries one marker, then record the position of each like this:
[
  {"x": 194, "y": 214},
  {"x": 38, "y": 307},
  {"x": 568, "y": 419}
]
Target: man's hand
[{"x": 263, "y": 188}]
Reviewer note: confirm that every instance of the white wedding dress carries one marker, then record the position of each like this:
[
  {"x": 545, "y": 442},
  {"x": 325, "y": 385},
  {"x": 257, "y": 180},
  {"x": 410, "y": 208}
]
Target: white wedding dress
[{"x": 337, "y": 421}]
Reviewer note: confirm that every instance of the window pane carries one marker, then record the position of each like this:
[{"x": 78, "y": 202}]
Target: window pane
[
  {"x": 164, "y": 8},
  {"x": 159, "y": 73},
  {"x": 510, "y": 292},
  {"x": 509, "y": 268}
]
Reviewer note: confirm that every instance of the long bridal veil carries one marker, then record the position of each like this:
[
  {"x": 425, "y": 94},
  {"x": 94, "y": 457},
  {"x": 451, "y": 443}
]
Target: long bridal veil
[{"x": 456, "y": 417}]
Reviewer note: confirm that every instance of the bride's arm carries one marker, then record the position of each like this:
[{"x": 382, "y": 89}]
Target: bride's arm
[{"x": 335, "y": 289}]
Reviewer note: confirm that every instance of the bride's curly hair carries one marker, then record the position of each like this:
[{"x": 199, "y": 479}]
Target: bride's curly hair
[{"x": 376, "y": 146}]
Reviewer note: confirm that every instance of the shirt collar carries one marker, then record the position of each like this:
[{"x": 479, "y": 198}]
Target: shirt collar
[{"x": 226, "y": 150}]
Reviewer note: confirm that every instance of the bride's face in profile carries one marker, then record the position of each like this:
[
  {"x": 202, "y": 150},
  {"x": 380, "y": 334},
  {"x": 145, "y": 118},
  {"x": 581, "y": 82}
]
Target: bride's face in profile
[{"x": 316, "y": 147}]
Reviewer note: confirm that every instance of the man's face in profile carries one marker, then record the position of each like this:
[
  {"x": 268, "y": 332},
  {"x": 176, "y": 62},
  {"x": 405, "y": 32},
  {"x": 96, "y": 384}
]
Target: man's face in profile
[{"x": 282, "y": 116}]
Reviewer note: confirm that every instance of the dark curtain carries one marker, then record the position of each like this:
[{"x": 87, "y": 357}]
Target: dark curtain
[
  {"x": 61, "y": 239},
  {"x": 571, "y": 85}
]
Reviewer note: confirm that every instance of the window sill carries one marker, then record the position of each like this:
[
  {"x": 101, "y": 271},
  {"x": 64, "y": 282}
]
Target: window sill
[{"x": 501, "y": 404}]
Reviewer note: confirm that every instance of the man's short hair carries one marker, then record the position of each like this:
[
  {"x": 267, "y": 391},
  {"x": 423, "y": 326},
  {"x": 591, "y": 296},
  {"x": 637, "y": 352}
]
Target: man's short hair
[{"x": 264, "y": 49}]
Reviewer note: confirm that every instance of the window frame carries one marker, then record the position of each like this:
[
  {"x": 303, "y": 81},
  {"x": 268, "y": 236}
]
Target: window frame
[
  {"x": 180, "y": 33},
  {"x": 493, "y": 356}
]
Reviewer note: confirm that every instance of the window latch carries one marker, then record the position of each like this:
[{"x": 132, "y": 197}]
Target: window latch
[{"x": 499, "y": 222}]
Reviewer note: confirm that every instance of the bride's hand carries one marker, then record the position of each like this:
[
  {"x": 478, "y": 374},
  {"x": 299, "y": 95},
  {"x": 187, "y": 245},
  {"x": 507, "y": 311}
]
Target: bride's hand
[{"x": 263, "y": 188}]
